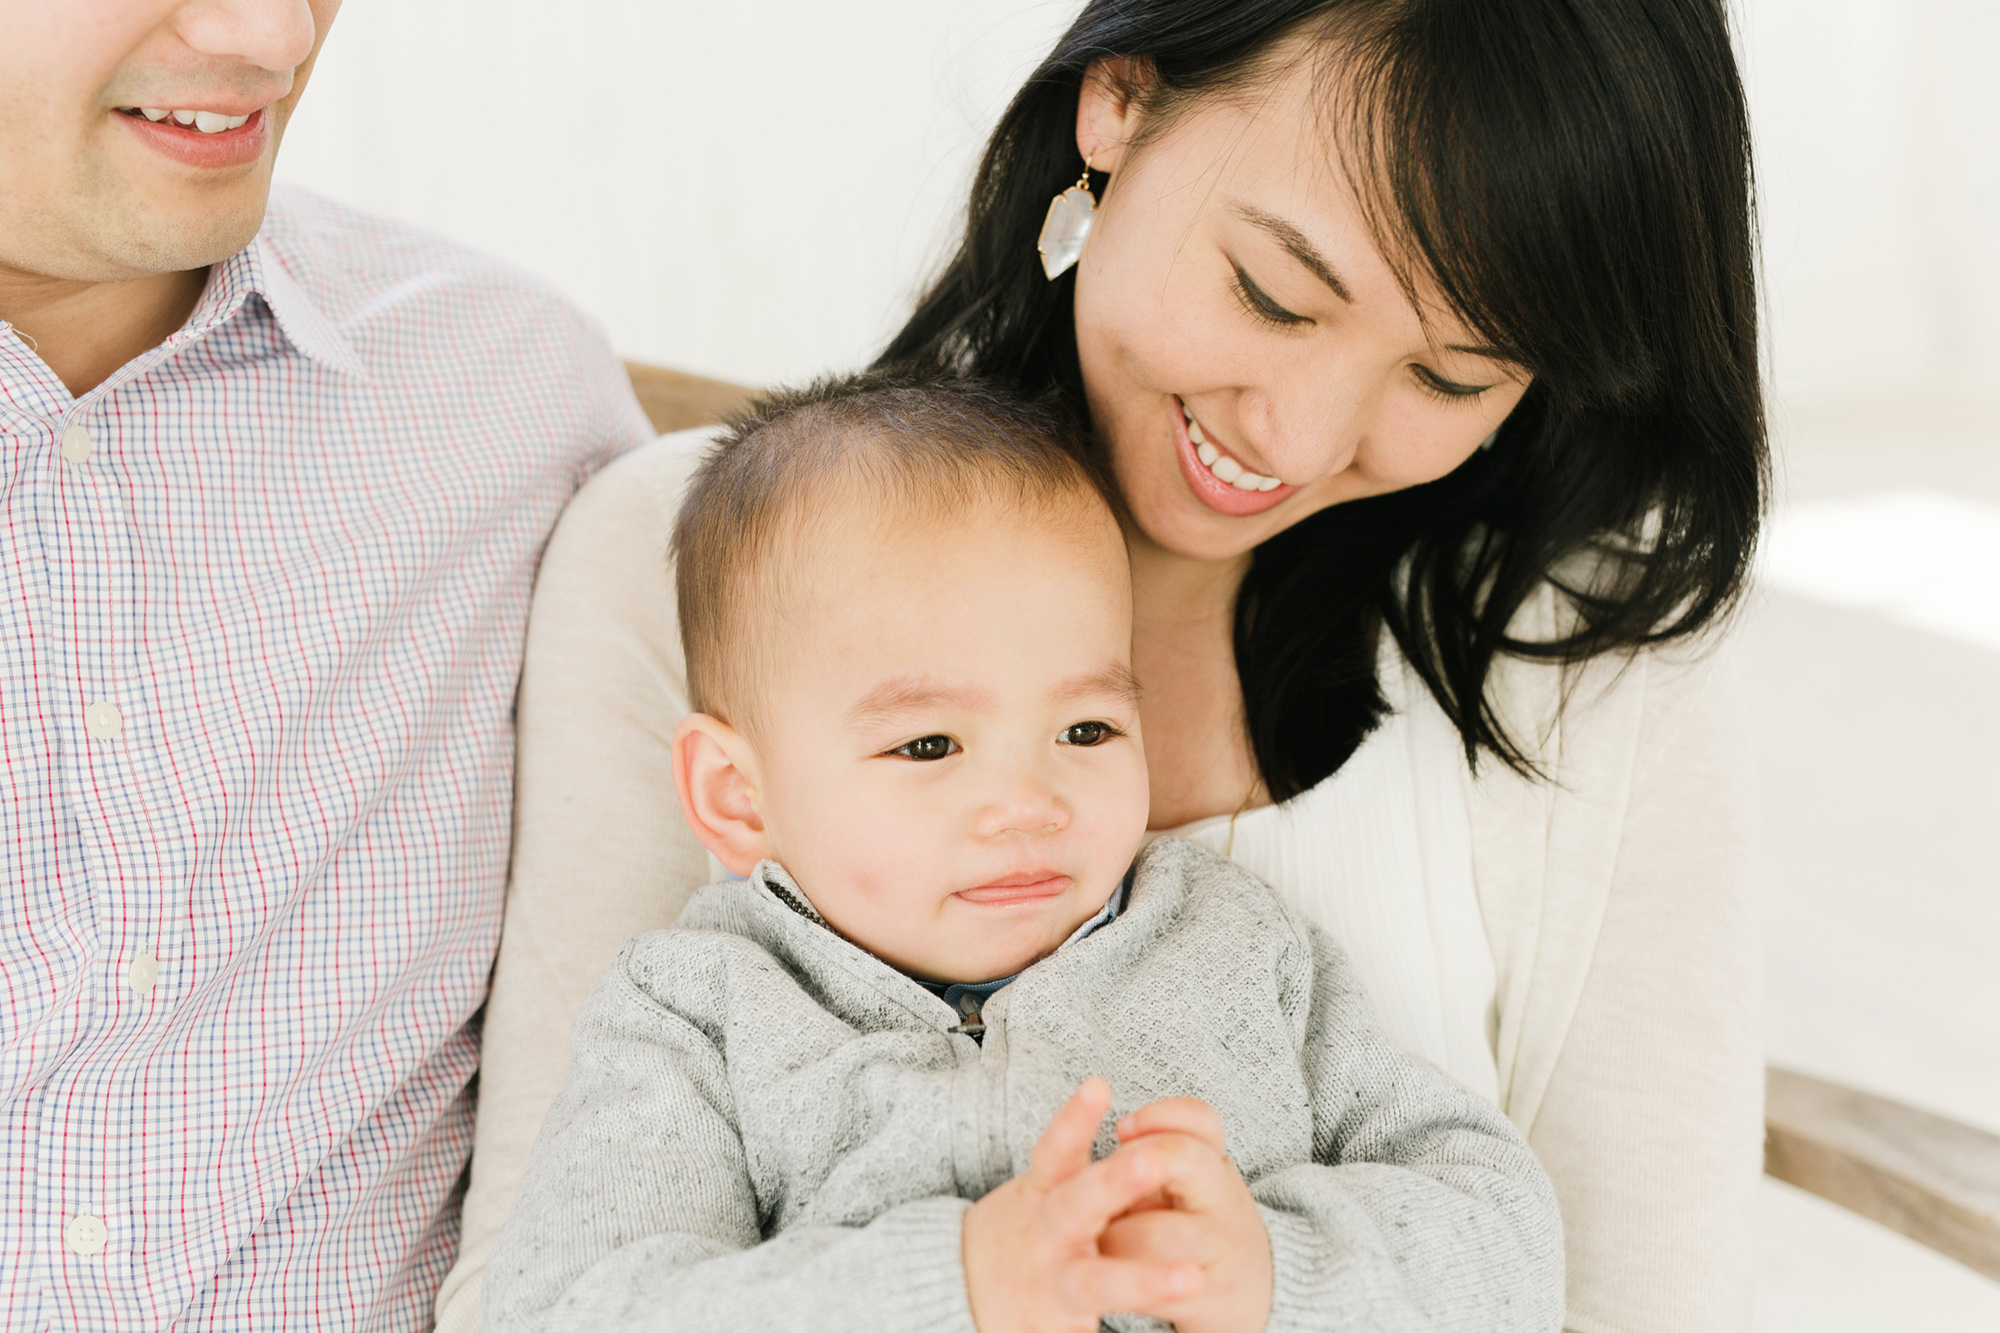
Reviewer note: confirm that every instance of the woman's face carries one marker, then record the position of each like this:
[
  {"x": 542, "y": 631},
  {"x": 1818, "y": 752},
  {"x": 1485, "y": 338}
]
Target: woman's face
[{"x": 1248, "y": 355}]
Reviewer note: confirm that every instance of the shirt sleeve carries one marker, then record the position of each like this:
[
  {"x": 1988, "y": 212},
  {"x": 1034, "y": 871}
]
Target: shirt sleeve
[
  {"x": 1423, "y": 1207},
  {"x": 601, "y": 852},
  {"x": 1652, "y": 1123},
  {"x": 638, "y": 1212}
]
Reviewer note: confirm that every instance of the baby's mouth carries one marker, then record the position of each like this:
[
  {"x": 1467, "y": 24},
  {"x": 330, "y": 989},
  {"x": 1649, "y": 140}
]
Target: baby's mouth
[{"x": 1034, "y": 886}]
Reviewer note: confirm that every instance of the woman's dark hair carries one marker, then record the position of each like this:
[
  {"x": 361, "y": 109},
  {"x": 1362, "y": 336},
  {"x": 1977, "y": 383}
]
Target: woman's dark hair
[{"x": 1574, "y": 175}]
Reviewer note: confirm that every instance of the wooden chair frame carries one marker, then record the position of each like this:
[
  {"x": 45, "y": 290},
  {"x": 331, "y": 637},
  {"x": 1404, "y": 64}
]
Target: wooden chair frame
[{"x": 1932, "y": 1179}]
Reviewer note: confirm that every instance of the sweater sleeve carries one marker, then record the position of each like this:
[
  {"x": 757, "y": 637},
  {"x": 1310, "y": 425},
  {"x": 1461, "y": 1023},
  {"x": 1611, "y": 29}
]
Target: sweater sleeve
[
  {"x": 1652, "y": 1123},
  {"x": 1422, "y": 1208},
  {"x": 637, "y": 1209},
  {"x": 600, "y": 850}
]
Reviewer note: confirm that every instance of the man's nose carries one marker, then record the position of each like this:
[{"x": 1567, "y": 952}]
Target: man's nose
[{"x": 270, "y": 34}]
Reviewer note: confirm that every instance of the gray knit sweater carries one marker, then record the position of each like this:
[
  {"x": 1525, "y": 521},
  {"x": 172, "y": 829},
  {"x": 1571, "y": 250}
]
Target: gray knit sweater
[{"x": 767, "y": 1128}]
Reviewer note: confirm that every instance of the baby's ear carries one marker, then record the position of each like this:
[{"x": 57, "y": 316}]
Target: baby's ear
[{"x": 715, "y": 775}]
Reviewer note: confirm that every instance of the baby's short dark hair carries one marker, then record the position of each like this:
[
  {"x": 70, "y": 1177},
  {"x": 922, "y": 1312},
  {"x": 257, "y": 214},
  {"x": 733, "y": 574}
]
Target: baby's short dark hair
[{"x": 785, "y": 473}]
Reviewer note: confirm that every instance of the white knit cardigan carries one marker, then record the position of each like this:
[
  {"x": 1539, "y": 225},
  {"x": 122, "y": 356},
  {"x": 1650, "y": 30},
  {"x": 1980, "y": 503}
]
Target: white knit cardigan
[{"x": 1618, "y": 899}]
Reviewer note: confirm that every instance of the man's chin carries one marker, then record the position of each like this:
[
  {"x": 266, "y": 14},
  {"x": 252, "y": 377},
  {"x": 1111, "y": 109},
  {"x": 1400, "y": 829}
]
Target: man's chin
[{"x": 174, "y": 236}]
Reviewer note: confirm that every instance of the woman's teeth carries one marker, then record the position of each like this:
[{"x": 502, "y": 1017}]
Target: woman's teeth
[
  {"x": 207, "y": 122},
  {"x": 1222, "y": 465}
]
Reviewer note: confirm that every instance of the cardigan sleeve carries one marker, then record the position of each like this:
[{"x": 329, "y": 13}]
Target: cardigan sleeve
[
  {"x": 601, "y": 852},
  {"x": 637, "y": 1211},
  {"x": 1422, "y": 1208},
  {"x": 1651, "y": 1124}
]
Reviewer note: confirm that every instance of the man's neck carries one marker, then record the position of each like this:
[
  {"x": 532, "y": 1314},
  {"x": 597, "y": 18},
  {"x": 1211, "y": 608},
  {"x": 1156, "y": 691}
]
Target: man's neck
[{"x": 84, "y": 331}]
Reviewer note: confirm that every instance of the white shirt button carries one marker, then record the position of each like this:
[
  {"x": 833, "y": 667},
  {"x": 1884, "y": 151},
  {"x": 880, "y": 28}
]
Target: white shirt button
[
  {"x": 145, "y": 971},
  {"x": 76, "y": 444},
  {"x": 86, "y": 1234},
  {"x": 104, "y": 720}
]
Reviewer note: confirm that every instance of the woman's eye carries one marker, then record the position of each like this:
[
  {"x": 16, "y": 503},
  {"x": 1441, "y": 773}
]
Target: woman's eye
[
  {"x": 1438, "y": 386},
  {"x": 1259, "y": 303},
  {"x": 927, "y": 748},
  {"x": 1088, "y": 733}
]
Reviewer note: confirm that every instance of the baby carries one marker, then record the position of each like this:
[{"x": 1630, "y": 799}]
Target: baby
[{"x": 864, "y": 1087}]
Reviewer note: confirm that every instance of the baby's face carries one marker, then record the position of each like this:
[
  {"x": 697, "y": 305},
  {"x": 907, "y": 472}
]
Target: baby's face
[{"x": 948, "y": 762}]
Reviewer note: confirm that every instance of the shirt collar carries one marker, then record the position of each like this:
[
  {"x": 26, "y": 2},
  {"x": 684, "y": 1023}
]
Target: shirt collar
[{"x": 259, "y": 269}]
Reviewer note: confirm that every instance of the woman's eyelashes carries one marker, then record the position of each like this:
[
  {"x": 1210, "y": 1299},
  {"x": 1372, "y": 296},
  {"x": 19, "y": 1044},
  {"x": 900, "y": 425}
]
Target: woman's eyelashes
[
  {"x": 1266, "y": 310},
  {"x": 1259, "y": 303},
  {"x": 1437, "y": 386}
]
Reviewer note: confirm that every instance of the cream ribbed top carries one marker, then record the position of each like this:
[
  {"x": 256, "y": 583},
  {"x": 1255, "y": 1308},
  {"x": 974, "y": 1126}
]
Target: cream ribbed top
[{"x": 1380, "y": 856}]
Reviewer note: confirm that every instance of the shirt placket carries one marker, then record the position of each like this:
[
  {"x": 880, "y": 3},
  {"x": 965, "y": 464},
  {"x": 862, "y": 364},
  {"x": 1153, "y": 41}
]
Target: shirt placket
[{"x": 89, "y": 1120}]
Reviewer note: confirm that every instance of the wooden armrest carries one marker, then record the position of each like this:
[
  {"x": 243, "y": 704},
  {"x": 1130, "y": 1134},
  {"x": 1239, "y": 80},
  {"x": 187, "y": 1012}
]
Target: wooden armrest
[
  {"x": 675, "y": 400},
  {"x": 1933, "y": 1179}
]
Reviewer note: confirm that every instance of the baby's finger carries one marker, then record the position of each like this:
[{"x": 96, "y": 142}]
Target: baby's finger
[
  {"x": 1064, "y": 1148},
  {"x": 1175, "y": 1115},
  {"x": 1099, "y": 1285},
  {"x": 1076, "y": 1211},
  {"x": 1163, "y": 1236},
  {"x": 1192, "y": 1173}
]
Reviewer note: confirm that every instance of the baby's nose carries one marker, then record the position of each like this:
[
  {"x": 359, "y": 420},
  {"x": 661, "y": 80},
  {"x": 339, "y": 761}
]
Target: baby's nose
[{"x": 1024, "y": 805}]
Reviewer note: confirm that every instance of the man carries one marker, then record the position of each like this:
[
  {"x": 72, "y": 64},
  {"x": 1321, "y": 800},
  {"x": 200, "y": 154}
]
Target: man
[{"x": 272, "y": 491}]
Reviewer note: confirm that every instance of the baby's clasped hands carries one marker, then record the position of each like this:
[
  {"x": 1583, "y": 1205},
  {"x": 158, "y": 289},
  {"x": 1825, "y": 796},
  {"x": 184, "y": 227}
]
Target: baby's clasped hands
[{"x": 1164, "y": 1227}]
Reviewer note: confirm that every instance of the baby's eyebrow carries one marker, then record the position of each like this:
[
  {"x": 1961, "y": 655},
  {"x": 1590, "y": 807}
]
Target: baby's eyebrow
[
  {"x": 1115, "y": 679},
  {"x": 904, "y": 694}
]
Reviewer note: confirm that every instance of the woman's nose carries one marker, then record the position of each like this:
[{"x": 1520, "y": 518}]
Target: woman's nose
[{"x": 1307, "y": 430}]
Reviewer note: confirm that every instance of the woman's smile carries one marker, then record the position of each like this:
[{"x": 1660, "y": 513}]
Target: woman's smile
[{"x": 1218, "y": 478}]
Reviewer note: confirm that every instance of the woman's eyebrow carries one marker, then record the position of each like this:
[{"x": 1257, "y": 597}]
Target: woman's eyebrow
[{"x": 1297, "y": 246}]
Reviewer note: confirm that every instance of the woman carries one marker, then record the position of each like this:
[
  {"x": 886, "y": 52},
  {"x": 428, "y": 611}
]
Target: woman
[{"x": 1420, "y": 340}]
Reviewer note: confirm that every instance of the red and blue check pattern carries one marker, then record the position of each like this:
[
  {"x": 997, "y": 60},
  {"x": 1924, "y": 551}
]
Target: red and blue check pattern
[{"x": 262, "y": 598}]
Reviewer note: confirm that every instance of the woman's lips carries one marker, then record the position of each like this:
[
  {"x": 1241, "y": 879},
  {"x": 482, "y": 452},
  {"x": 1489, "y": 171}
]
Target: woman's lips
[
  {"x": 1035, "y": 886},
  {"x": 190, "y": 147},
  {"x": 1212, "y": 490}
]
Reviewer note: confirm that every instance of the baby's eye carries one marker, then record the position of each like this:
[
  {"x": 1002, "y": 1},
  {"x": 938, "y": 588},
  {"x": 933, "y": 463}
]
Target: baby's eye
[
  {"x": 928, "y": 748},
  {"x": 1088, "y": 733}
]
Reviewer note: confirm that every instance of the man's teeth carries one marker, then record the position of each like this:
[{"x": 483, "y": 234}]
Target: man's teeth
[
  {"x": 1222, "y": 465},
  {"x": 208, "y": 122}
]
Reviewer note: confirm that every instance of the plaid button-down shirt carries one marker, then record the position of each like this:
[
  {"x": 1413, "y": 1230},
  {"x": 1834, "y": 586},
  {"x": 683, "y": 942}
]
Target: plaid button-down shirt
[{"x": 262, "y": 597}]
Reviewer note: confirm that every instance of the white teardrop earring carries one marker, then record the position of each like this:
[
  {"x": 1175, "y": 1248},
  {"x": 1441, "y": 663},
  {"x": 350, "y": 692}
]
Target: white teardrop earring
[{"x": 1068, "y": 222}]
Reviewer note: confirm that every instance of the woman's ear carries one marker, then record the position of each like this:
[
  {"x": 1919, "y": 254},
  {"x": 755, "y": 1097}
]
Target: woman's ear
[
  {"x": 715, "y": 775},
  {"x": 1107, "y": 109}
]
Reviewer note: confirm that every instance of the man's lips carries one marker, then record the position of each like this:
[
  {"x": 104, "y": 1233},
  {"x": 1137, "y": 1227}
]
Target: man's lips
[
  {"x": 191, "y": 147},
  {"x": 1212, "y": 490},
  {"x": 1033, "y": 886}
]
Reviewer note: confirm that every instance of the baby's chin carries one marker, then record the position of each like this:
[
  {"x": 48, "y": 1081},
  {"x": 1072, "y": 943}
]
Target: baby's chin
[{"x": 988, "y": 950}]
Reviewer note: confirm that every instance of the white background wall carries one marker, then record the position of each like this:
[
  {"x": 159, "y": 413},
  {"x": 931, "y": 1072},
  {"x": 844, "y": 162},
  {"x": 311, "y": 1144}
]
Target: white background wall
[
  {"x": 756, "y": 188},
  {"x": 751, "y": 188}
]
